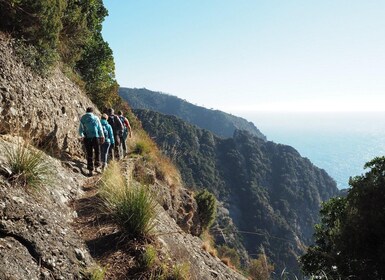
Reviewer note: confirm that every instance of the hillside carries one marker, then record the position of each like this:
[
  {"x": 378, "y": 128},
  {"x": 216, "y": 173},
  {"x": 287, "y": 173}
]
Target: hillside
[
  {"x": 272, "y": 193},
  {"x": 55, "y": 231},
  {"x": 218, "y": 122}
]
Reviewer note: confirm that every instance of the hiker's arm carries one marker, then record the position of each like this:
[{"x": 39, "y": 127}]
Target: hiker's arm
[
  {"x": 100, "y": 130},
  {"x": 128, "y": 127},
  {"x": 81, "y": 129}
]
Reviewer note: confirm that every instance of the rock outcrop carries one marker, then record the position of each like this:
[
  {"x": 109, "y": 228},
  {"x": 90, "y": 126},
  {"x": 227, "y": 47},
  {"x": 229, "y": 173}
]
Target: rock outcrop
[
  {"x": 36, "y": 237},
  {"x": 45, "y": 110}
]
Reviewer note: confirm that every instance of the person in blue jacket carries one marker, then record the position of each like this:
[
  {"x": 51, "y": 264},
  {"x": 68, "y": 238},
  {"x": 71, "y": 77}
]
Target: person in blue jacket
[
  {"x": 109, "y": 140},
  {"x": 91, "y": 132}
]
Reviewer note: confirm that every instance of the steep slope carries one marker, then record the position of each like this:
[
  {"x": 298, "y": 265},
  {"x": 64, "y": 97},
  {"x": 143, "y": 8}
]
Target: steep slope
[
  {"x": 38, "y": 239},
  {"x": 218, "y": 122},
  {"x": 272, "y": 193},
  {"x": 46, "y": 110}
]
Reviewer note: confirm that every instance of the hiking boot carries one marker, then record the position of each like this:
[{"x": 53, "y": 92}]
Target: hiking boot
[{"x": 90, "y": 173}]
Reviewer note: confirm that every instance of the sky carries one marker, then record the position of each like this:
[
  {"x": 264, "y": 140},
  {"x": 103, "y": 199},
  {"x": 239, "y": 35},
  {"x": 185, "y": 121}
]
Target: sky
[{"x": 253, "y": 55}]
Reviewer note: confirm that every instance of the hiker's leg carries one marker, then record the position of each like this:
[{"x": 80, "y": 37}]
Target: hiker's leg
[
  {"x": 124, "y": 147},
  {"x": 117, "y": 151},
  {"x": 88, "y": 146},
  {"x": 117, "y": 147},
  {"x": 110, "y": 155},
  {"x": 104, "y": 152},
  {"x": 96, "y": 146}
]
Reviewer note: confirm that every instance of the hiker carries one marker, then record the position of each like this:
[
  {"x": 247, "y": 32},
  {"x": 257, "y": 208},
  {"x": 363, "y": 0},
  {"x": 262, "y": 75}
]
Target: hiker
[
  {"x": 117, "y": 128},
  {"x": 126, "y": 131},
  {"x": 90, "y": 131},
  {"x": 109, "y": 140}
]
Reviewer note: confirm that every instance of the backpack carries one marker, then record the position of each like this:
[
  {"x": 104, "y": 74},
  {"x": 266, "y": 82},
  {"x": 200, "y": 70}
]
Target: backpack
[
  {"x": 123, "y": 121},
  {"x": 114, "y": 122}
]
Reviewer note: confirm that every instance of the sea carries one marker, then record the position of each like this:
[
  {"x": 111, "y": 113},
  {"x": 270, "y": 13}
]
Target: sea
[{"x": 338, "y": 142}]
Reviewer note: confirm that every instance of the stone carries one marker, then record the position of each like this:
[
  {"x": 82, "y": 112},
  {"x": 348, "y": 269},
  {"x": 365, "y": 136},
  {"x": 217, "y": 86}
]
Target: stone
[{"x": 79, "y": 254}]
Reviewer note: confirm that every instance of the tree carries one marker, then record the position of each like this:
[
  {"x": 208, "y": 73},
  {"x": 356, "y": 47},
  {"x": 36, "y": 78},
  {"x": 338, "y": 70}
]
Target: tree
[
  {"x": 350, "y": 240},
  {"x": 38, "y": 23},
  {"x": 207, "y": 208}
]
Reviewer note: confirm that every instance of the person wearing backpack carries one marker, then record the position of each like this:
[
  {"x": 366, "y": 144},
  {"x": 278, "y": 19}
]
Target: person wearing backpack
[
  {"x": 109, "y": 140},
  {"x": 91, "y": 132},
  {"x": 126, "y": 131},
  {"x": 117, "y": 128}
]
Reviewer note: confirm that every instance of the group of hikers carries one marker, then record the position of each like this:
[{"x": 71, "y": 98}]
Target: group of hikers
[{"x": 104, "y": 139}]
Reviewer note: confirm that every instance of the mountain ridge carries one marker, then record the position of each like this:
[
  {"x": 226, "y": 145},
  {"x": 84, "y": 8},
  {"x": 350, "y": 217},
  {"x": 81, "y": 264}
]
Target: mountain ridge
[{"x": 220, "y": 123}]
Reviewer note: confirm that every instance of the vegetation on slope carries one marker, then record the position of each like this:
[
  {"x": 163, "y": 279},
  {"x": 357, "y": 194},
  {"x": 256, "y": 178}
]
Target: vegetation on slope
[
  {"x": 349, "y": 240},
  {"x": 218, "y": 122},
  {"x": 271, "y": 191},
  {"x": 67, "y": 32}
]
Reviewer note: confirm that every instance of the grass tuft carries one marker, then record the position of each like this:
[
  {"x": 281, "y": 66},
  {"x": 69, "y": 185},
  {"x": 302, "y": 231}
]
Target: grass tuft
[
  {"x": 28, "y": 166},
  {"x": 136, "y": 211},
  {"x": 131, "y": 205},
  {"x": 95, "y": 272},
  {"x": 180, "y": 272},
  {"x": 149, "y": 258}
]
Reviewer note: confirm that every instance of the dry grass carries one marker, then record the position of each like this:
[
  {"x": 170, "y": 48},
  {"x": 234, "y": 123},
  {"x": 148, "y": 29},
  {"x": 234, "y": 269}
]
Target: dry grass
[
  {"x": 228, "y": 263},
  {"x": 165, "y": 170},
  {"x": 113, "y": 184},
  {"x": 209, "y": 244},
  {"x": 131, "y": 205}
]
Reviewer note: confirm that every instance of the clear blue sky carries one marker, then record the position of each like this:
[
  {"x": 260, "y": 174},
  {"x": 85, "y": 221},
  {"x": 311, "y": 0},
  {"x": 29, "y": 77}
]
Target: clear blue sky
[{"x": 250, "y": 55}]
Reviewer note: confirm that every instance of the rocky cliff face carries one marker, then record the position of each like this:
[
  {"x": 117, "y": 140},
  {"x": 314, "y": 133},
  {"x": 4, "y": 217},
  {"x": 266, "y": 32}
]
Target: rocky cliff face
[
  {"x": 36, "y": 237},
  {"x": 46, "y": 110},
  {"x": 40, "y": 236}
]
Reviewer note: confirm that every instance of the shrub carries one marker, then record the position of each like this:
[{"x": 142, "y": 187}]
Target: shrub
[
  {"x": 260, "y": 268},
  {"x": 207, "y": 208},
  {"x": 28, "y": 166}
]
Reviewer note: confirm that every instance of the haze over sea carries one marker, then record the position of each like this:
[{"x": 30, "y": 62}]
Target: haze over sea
[{"x": 341, "y": 143}]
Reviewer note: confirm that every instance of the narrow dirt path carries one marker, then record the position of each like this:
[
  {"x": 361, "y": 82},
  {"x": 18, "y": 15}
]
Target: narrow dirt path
[{"x": 118, "y": 256}]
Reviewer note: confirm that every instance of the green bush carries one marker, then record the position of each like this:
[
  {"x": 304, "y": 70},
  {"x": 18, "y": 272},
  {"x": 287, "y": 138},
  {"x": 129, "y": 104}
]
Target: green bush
[
  {"x": 207, "y": 208},
  {"x": 28, "y": 166}
]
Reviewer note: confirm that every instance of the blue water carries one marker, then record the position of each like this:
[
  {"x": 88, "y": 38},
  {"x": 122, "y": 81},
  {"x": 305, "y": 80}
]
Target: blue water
[{"x": 340, "y": 143}]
